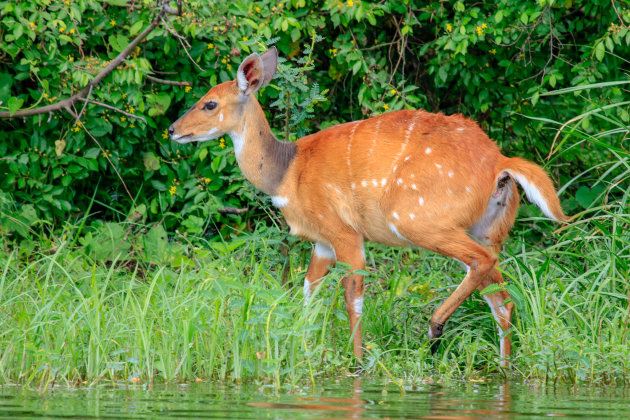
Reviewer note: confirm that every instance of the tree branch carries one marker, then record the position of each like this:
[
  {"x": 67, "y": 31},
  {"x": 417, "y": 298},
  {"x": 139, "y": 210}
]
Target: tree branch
[
  {"x": 89, "y": 101},
  {"x": 168, "y": 82},
  {"x": 66, "y": 104}
]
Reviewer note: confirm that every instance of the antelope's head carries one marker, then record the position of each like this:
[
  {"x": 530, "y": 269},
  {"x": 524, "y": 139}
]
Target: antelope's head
[{"x": 221, "y": 109}]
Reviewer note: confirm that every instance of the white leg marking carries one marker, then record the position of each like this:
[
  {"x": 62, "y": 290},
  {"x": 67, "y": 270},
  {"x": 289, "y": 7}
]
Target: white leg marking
[
  {"x": 358, "y": 306},
  {"x": 279, "y": 201},
  {"x": 324, "y": 251},
  {"x": 307, "y": 291}
]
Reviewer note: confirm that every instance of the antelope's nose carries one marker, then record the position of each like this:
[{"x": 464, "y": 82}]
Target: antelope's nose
[{"x": 171, "y": 130}]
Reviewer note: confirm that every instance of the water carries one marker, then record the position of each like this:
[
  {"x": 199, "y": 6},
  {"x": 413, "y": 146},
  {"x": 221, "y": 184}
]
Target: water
[{"x": 346, "y": 398}]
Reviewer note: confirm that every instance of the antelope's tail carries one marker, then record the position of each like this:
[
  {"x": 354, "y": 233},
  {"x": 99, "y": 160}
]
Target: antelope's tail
[{"x": 537, "y": 185}]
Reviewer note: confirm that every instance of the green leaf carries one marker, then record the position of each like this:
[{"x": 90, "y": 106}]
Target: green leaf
[
  {"x": 499, "y": 16},
  {"x": 443, "y": 74},
  {"x": 600, "y": 51},
  {"x": 135, "y": 28},
  {"x": 14, "y": 104}
]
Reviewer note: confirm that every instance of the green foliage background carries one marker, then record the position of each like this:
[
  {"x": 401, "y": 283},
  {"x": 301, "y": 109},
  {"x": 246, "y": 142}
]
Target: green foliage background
[{"x": 492, "y": 61}]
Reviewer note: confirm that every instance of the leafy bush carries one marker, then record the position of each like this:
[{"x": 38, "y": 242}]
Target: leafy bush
[{"x": 345, "y": 60}]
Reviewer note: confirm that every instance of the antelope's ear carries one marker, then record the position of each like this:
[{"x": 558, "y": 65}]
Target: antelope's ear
[
  {"x": 250, "y": 74},
  {"x": 270, "y": 63}
]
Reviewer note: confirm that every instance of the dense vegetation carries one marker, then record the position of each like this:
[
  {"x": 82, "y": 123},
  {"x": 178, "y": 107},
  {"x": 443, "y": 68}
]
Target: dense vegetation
[{"x": 119, "y": 264}]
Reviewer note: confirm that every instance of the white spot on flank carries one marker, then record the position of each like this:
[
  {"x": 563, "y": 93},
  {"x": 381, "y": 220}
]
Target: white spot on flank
[
  {"x": 354, "y": 185},
  {"x": 412, "y": 175},
  {"x": 449, "y": 191},
  {"x": 358, "y": 306},
  {"x": 395, "y": 231},
  {"x": 468, "y": 189},
  {"x": 400, "y": 180},
  {"x": 413, "y": 186},
  {"x": 412, "y": 216},
  {"x": 460, "y": 129},
  {"x": 324, "y": 251},
  {"x": 450, "y": 174},
  {"x": 428, "y": 150},
  {"x": 421, "y": 201},
  {"x": 394, "y": 170},
  {"x": 383, "y": 181},
  {"x": 279, "y": 201},
  {"x": 375, "y": 182},
  {"x": 437, "y": 165},
  {"x": 407, "y": 158},
  {"x": 395, "y": 215},
  {"x": 364, "y": 183},
  {"x": 307, "y": 291},
  {"x": 221, "y": 117}
]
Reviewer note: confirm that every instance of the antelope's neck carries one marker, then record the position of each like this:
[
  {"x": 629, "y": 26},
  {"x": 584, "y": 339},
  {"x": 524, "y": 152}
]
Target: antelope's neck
[{"x": 263, "y": 159}]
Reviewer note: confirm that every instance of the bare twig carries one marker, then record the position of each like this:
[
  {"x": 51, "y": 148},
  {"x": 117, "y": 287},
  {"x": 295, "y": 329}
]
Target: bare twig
[
  {"x": 84, "y": 105},
  {"x": 110, "y": 162},
  {"x": 168, "y": 82},
  {"x": 89, "y": 101},
  {"x": 66, "y": 104},
  {"x": 232, "y": 210}
]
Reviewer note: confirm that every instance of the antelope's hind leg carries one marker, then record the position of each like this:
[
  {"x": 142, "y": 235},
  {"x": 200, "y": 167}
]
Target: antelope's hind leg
[{"x": 492, "y": 232}]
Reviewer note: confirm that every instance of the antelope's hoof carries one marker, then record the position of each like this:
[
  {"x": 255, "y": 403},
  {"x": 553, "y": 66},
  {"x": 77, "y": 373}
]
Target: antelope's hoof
[{"x": 435, "y": 332}]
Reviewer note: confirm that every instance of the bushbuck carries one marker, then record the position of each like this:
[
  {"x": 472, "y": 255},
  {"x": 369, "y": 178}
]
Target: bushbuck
[{"x": 403, "y": 178}]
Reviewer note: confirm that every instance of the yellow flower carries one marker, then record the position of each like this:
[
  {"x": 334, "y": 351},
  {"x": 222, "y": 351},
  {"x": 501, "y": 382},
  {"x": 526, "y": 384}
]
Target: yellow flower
[
  {"x": 210, "y": 46},
  {"x": 245, "y": 38},
  {"x": 70, "y": 58},
  {"x": 493, "y": 51},
  {"x": 165, "y": 134},
  {"x": 215, "y": 28},
  {"x": 224, "y": 61},
  {"x": 386, "y": 107},
  {"x": 229, "y": 67},
  {"x": 207, "y": 180},
  {"x": 112, "y": 22},
  {"x": 124, "y": 95},
  {"x": 350, "y": 3},
  {"x": 61, "y": 29},
  {"x": 71, "y": 31},
  {"x": 257, "y": 9},
  {"x": 479, "y": 30},
  {"x": 172, "y": 190},
  {"x": 132, "y": 126},
  {"x": 123, "y": 119},
  {"x": 449, "y": 27},
  {"x": 188, "y": 89},
  {"x": 131, "y": 109},
  {"x": 280, "y": 5},
  {"x": 484, "y": 26},
  {"x": 33, "y": 26},
  {"x": 393, "y": 91}
]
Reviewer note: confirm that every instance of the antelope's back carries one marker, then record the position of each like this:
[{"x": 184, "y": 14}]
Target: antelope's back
[{"x": 363, "y": 170}]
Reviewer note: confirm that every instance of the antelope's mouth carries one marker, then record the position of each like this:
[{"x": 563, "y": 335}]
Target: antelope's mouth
[{"x": 182, "y": 138}]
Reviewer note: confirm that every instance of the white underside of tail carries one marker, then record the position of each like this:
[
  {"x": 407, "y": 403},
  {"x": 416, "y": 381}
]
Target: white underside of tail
[{"x": 533, "y": 193}]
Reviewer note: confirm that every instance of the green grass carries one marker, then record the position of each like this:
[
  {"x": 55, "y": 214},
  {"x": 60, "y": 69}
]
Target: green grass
[{"x": 159, "y": 310}]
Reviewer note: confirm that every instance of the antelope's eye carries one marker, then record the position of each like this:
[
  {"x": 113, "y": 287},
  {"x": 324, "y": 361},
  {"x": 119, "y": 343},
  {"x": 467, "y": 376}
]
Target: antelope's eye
[{"x": 209, "y": 106}]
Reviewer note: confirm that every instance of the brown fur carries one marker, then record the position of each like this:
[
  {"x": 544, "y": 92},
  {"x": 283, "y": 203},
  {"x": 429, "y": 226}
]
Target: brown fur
[{"x": 405, "y": 178}]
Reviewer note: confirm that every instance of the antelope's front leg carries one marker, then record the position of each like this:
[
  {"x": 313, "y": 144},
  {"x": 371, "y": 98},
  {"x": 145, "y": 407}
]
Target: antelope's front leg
[
  {"x": 323, "y": 257},
  {"x": 349, "y": 250}
]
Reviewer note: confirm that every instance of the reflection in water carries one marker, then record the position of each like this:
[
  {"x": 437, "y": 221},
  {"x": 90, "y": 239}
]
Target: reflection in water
[{"x": 353, "y": 398}]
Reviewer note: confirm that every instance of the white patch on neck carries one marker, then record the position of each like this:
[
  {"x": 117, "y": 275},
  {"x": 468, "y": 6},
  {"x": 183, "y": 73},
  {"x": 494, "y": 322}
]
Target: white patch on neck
[
  {"x": 238, "y": 140},
  {"x": 279, "y": 201},
  {"x": 324, "y": 251}
]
